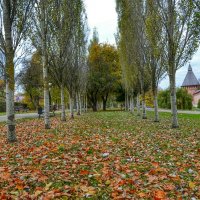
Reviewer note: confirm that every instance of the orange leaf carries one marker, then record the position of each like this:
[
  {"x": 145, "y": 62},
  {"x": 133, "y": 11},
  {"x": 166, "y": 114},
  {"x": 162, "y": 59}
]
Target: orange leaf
[
  {"x": 159, "y": 195},
  {"x": 122, "y": 182},
  {"x": 5, "y": 175},
  {"x": 20, "y": 186},
  {"x": 142, "y": 194},
  {"x": 155, "y": 164},
  {"x": 84, "y": 172}
]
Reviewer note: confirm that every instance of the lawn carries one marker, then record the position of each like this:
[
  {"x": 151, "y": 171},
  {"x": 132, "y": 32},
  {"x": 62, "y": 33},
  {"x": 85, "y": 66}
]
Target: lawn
[
  {"x": 2, "y": 113},
  {"x": 104, "y": 155}
]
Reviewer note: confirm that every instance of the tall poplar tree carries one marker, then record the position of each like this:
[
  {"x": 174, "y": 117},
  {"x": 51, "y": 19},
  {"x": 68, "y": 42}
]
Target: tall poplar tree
[
  {"x": 182, "y": 36},
  {"x": 14, "y": 17}
]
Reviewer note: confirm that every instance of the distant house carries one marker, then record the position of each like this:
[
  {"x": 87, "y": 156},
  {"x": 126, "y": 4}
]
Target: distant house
[{"x": 192, "y": 85}]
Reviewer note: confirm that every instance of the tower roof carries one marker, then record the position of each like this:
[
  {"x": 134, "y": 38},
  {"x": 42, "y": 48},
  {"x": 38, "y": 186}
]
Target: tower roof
[{"x": 190, "y": 79}]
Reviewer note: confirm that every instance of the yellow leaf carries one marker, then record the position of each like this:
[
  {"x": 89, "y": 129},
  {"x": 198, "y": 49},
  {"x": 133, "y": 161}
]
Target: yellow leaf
[
  {"x": 191, "y": 185},
  {"x": 88, "y": 190},
  {"x": 48, "y": 186},
  {"x": 91, "y": 192},
  {"x": 38, "y": 192}
]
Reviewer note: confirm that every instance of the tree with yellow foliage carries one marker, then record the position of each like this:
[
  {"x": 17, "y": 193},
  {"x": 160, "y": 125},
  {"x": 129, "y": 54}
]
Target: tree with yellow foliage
[{"x": 104, "y": 71}]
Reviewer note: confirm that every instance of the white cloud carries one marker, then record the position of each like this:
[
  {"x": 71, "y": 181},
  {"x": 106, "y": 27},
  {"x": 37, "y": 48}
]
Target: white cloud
[{"x": 102, "y": 15}]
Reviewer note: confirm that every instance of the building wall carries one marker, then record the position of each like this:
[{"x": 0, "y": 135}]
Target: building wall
[
  {"x": 192, "y": 90},
  {"x": 196, "y": 98}
]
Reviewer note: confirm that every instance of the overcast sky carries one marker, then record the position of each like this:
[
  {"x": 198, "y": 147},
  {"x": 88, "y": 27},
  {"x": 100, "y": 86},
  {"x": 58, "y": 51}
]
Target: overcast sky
[{"x": 102, "y": 15}]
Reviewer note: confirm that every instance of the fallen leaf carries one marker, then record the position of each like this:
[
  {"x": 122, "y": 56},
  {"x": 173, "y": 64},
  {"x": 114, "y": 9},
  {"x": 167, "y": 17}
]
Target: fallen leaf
[
  {"x": 159, "y": 195},
  {"x": 37, "y": 193},
  {"x": 47, "y": 187},
  {"x": 84, "y": 172},
  {"x": 192, "y": 185}
]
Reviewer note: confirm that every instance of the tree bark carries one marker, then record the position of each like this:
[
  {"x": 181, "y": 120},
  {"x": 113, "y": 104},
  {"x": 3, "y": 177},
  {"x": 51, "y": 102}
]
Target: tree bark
[
  {"x": 173, "y": 102},
  {"x": 10, "y": 82},
  {"x": 46, "y": 99},
  {"x": 80, "y": 103},
  {"x": 94, "y": 106},
  {"x": 144, "y": 114},
  {"x": 171, "y": 62},
  {"x": 131, "y": 104},
  {"x": 50, "y": 103},
  {"x": 86, "y": 103},
  {"x": 138, "y": 104},
  {"x": 104, "y": 105},
  {"x": 127, "y": 101},
  {"x": 156, "y": 107},
  {"x": 63, "y": 115},
  {"x": 45, "y": 70},
  {"x": 71, "y": 104},
  {"x": 77, "y": 104},
  {"x": 11, "y": 135},
  {"x": 104, "y": 99}
]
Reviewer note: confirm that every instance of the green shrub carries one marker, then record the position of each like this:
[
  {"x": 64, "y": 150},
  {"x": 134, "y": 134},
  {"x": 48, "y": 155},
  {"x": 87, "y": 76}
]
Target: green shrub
[
  {"x": 164, "y": 99},
  {"x": 184, "y": 100},
  {"x": 2, "y": 106},
  {"x": 198, "y": 105}
]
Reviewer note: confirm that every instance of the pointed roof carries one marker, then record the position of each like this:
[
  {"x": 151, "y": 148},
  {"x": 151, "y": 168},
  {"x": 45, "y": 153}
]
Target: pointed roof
[{"x": 190, "y": 79}]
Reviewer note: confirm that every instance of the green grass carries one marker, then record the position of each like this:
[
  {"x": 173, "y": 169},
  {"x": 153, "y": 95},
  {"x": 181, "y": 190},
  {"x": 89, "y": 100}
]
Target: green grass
[{"x": 164, "y": 115}]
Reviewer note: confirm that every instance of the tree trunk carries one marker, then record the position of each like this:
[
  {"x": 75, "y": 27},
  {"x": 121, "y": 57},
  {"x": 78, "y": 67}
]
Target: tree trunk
[
  {"x": 131, "y": 104},
  {"x": 71, "y": 103},
  {"x": 32, "y": 99},
  {"x": 10, "y": 81},
  {"x": 144, "y": 114},
  {"x": 171, "y": 62},
  {"x": 126, "y": 101},
  {"x": 94, "y": 106},
  {"x": 77, "y": 104},
  {"x": 11, "y": 135},
  {"x": 86, "y": 101},
  {"x": 46, "y": 99},
  {"x": 63, "y": 116},
  {"x": 104, "y": 104},
  {"x": 156, "y": 107},
  {"x": 104, "y": 99},
  {"x": 45, "y": 70},
  {"x": 50, "y": 103},
  {"x": 138, "y": 104},
  {"x": 80, "y": 103},
  {"x": 173, "y": 102}
]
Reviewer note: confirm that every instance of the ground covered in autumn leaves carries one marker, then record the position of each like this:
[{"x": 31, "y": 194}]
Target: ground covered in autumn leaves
[{"x": 105, "y": 155}]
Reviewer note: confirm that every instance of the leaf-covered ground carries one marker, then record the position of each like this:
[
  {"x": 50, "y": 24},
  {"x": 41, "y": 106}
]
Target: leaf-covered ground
[{"x": 105, "y": 155}]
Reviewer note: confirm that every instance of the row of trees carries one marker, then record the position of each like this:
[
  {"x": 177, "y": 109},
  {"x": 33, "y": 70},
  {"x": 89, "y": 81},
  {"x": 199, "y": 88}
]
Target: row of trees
[
  {"x": 102, "y": 75},
  {"x": 57, "y": 31},
  {"x": 155, "y": 38}
]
